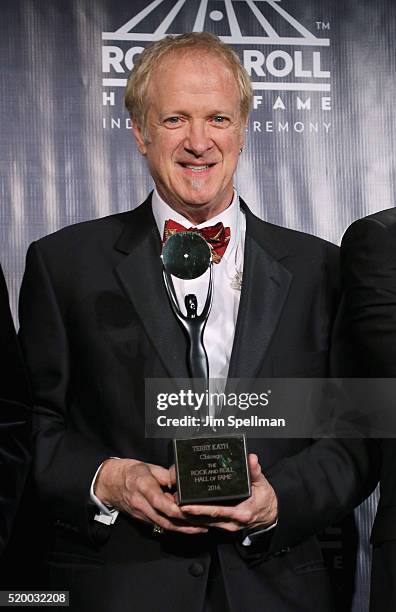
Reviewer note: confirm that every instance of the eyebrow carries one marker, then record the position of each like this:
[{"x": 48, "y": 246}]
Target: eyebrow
[{"x": 181, "y": 112}]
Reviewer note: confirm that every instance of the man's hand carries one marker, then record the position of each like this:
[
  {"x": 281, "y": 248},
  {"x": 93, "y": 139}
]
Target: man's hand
[
  {"x": 135, "y": 488},
  {"x": 261, "y": 509}
]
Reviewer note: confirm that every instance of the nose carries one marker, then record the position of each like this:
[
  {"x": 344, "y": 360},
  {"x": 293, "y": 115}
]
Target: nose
[{"x": 197, "y": 139}]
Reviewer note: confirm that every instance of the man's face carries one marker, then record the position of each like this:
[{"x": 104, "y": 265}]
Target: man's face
[{"x": 193, "y": 134}]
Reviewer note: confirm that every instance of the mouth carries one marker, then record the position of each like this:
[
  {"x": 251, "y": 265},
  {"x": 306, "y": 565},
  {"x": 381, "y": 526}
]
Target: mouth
[{"x": 197, "y": 168}]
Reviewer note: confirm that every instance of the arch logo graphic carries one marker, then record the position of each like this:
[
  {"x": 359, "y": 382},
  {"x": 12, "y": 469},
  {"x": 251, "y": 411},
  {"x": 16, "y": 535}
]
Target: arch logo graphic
[{"x": 279, "y": 53}]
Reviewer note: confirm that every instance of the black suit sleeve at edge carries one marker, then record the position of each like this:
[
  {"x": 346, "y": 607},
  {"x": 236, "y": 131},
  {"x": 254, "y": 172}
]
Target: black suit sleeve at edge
[
  {"x": 15, "y": 420},
  {"x": 65, "y": 461},
  {"x": 321, "y": 484}
]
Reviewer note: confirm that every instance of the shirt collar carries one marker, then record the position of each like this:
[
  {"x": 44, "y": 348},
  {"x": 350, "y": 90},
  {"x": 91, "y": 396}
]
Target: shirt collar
[{"x": 229, "y": 217}]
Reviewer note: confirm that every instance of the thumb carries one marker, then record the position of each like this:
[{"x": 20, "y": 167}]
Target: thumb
[{"x": 254, "y": 467}]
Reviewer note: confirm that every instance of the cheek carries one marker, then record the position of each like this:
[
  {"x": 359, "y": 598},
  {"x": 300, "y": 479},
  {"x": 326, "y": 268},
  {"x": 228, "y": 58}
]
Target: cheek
[
  {"x": 232, "y": 153},
  {"x": 232, "y": 144},
  {"x": 166, "y": 155},
  {"x": 159, "y": 162}
]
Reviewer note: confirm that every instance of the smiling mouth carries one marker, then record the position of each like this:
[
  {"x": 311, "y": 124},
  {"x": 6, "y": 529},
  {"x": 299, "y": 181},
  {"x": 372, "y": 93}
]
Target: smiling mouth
[{"x": 197, "y": 168}]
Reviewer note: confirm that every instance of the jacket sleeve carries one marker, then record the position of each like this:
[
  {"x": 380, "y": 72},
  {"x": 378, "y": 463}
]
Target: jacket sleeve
[
  {"x": 65, "y": 460},
  {"x": 323, "y": 483},
  {"x": 320, "y": 486}
]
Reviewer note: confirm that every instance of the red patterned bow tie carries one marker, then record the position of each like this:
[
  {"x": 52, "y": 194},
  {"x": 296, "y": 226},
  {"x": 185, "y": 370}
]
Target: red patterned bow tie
[{"x": 217, "y": 236}]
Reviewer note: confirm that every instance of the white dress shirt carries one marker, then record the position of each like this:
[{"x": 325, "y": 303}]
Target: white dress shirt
[{"x": 220, "y": 328}]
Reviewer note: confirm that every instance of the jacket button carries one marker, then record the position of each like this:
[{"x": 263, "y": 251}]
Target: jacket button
[{"x": 196, "y": 569}]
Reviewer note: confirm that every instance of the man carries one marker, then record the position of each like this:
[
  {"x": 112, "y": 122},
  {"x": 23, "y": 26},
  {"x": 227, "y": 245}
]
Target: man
[
  {"x": 368, "y": 253},
  {"x": 14, "y": 421},
  {"x": 96, "y": 321}
]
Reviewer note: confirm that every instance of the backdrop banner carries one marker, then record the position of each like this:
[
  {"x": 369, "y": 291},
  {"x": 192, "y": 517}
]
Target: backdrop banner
[{"x": 320, "y": 148}]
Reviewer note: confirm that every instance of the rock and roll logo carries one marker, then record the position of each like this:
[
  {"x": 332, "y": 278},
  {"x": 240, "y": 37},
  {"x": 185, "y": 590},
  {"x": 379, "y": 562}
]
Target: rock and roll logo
[{"x": 285, "y": 60}]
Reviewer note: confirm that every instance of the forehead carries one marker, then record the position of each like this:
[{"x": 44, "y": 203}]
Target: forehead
[{"x": 193, "y": 74}]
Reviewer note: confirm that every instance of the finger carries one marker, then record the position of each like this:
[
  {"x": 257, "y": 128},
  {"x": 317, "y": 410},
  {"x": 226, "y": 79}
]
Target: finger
[
  {"x": 160, "y": 474},
  {"x": 189, "y": 527},
  {"x": 136, "y": 507},
  {"x": 242, "y": 515},
  {"x": 190, "y": 530},
  {"x": 143, "y": 508},
  {"x": 147, "y": 514},
  {"x": 169, "y": 525},
  {"x": 225, "y": 512},
  {"x": 162, "y": 502},
  {"x": 156, "y": 518},
  {"x": 228, "y": 526},
  {"x": 172, "y": 474},
  {"x": 146, "y": 485}
]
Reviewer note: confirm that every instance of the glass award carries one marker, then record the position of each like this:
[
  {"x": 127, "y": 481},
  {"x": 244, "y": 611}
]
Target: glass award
[{"x": 210, "y": 469}]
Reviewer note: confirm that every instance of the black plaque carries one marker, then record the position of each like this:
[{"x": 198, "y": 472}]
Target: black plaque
[{"x": 211, "y": 470}]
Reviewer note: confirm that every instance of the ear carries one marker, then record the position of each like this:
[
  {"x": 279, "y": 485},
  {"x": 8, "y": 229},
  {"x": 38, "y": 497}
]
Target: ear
[{"x": 140, "y": 140}]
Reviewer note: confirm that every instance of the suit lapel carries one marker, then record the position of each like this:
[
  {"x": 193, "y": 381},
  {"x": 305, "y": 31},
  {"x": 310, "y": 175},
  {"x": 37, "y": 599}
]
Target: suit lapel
[
  {"x": 265, "y": 287},
  {"x": 140, "y": 274}
]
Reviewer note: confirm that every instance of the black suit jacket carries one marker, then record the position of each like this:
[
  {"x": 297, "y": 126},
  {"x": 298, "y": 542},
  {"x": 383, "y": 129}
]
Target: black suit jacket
[
  {"x": 95, "y": 322},
  {"x": 369, "y": 337},
  {"x": 14, "y": 420}
]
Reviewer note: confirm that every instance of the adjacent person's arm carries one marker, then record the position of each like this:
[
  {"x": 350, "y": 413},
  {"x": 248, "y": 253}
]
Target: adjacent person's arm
[{"x": 15, "y": 435}]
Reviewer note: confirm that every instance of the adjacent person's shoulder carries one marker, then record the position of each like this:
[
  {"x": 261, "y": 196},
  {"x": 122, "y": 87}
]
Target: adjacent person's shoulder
[
  {"x": 372, "y": 232},
  {"x": 386, "y": 218}
]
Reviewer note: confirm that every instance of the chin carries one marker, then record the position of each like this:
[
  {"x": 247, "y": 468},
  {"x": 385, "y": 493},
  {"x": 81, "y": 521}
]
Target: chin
[{"x": 199, "y": 199}]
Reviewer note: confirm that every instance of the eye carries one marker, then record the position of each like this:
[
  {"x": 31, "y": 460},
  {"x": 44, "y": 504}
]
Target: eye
[
  {"x": 172, "y": 121},
  {"x": 220, "y": 120}
]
